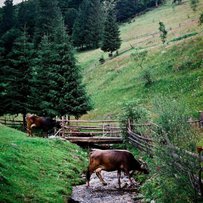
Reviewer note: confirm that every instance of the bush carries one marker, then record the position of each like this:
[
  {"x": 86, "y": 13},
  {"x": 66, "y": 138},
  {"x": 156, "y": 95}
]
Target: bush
[
  {"x": 172, "y": 168},
  {"x": 147, "y": 78},
  {"x": 201, "y": 19},
  {"x": 133, "y": 112},
  {"x": 101, "y": 60}
]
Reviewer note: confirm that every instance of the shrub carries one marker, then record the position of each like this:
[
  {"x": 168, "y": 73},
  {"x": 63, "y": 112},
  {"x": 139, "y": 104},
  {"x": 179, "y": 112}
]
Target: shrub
[
  {"x": 139, "y": 57},
  {"x": 133, "y": 112},
  {"x": 201, "y": 19},
  {"x": 163, "y": 31},
  {"x": 172, "y": 169},
  {"x": 102, "y": 60},
  {"x": 147, "y": 78}
]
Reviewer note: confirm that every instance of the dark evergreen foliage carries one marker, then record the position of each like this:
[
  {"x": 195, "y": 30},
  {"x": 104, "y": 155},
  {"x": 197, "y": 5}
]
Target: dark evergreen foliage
[
  {"x": 111, "y": 37},
  {"x": 163, "y": 31},
  {"x": 88, "y": 27},
  {"x": 26, "y": 17},
  {"x": 47, "y": 11},
  {"x": 127, "y": 9},
  {"x": 70, "y": 17},
  {"x": 56, "y": 80},
  {"x": 8, "y": 17},
  {"x": 16, "y": 74}
]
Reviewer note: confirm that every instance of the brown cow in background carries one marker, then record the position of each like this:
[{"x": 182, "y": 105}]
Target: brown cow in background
[
  {"x": 44, "y": 123},
  {"x": 112, "y": 160}
]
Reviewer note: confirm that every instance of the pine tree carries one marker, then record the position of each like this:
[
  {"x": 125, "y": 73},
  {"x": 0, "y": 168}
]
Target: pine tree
[
  {"x": 47, "y": 11},
  {"x": 18, "y": 69},
  {"x": 26, "y": 17},
  {"x": 56, "y": 74},
  {"x": 67, "y": 93},
  {"x": 88, "y": 27},
  {"x": 6, "y": 44},
  {"x": 39, "y": 86},
  {"x": 8, "y": 20},
  {"x": 111, "y": 37},
  {"x": 95, "y": 24},
  {"x": 79, "y": 28}
]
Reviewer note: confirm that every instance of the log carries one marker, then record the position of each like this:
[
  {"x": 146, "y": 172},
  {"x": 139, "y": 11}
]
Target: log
[{"x": 101, "y": 140}]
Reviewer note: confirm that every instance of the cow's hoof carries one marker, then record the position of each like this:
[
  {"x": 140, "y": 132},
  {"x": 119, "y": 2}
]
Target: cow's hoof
[{"x": 104, "y": 184}]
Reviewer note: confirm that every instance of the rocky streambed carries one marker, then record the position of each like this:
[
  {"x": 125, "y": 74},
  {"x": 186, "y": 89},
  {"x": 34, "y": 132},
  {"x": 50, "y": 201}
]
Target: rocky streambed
[{"x": 97, "y": 193}]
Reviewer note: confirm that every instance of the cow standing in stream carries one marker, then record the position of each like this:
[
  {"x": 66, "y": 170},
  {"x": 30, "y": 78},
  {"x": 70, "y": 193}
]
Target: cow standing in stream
[{"x": 112, "y": 160}]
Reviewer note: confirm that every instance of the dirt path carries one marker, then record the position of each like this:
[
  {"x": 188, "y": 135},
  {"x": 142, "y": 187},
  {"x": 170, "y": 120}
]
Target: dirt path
[{"x": 97, "y": 193}]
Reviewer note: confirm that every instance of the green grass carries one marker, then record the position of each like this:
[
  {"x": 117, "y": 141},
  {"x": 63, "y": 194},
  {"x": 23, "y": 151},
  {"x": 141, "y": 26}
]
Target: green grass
[
  {"x": 176, "y": 67},
  {"x": 37, "y": 169}
]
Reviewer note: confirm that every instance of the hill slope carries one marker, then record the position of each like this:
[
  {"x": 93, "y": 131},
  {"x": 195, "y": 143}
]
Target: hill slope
[
  {"x": 175, "y": 68},
  {"x": 37, "y": 169}
]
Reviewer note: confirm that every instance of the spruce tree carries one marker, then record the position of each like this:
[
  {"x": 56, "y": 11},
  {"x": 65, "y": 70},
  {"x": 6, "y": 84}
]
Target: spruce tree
[
  {"x": 79, "y": 28},
  {"x": 39, "y": 86},
  {"x": 95, "y": 24},
  {"x": 46, "y": 12},
  {"x": 8, "y": 18},
  {"x": 88, "y": 27},
  {"x": 56, "y": 80},
  {"x": 6, "y": 44},
  {"x": 67, "y": 92},
  {"x": 111, "y": 37},
  {"x": 18, "y": 71},
  {"x": 26, "y": 17}
]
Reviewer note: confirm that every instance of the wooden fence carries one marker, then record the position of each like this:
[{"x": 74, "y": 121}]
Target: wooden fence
[
  {"x": 141, "y": 141},
  {"x": 107, "y": 128},
  {"x": 147, "y": 144},
  {"x": 11, "y": 123}
]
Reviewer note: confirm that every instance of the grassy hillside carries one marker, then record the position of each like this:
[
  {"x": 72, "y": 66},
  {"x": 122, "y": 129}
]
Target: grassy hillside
[
  {"x": 175, "y": 68},
  {"x": 37, "y": 169}
]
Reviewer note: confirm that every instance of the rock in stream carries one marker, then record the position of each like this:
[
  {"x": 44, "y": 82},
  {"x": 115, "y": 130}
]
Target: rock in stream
[{"x": 97, "y": 193}]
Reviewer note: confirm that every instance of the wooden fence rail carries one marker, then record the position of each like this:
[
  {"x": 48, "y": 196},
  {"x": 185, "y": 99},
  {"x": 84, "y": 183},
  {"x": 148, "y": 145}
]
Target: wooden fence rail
[
  {"x": 11, "y": 123},
  {"x": 108, "y": 128},
  {"x": 147, "y": 144}
]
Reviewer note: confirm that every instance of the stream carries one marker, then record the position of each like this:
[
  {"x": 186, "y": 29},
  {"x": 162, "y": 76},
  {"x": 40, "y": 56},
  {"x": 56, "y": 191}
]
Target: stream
[{"x": 97, "y": 193}]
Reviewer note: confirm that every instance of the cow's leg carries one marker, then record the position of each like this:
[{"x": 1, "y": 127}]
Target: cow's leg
[
  {"x": 119, "y": 178},
  {"x": 88, "y": 175},
  {"x": 29, "y": 132},
  {"x": 98, "y": 173},
  {"x": 129, "y": 175}
]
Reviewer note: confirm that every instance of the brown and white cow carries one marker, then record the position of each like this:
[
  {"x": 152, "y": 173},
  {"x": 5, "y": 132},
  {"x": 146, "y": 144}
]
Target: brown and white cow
[
  {"x": 44, "y": 123},
  {"x": 112, "y": 160}
]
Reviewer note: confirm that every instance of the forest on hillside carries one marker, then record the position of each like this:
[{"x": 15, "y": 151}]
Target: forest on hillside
[
  {"x": 39, "y": 73},
  {"x": 139, "y": 62}
]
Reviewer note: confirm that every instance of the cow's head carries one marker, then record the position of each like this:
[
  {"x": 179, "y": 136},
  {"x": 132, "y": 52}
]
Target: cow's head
[{"x": 143, "y": 167}]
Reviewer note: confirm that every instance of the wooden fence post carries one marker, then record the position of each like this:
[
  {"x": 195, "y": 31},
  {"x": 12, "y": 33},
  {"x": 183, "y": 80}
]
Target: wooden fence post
[
  {"x": 200, "y": 150},
  {"x": 63, "y": 126},
  {"x": 129, "y": 124}
]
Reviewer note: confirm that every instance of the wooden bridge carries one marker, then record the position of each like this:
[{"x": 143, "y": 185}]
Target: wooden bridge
[{"x": 90, "y": 131}]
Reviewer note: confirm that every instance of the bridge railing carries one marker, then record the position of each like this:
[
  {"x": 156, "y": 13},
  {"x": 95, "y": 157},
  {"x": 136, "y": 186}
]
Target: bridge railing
[{"x": 109, "y": 128}]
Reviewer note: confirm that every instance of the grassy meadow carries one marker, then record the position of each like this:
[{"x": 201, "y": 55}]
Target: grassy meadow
[
  {"x": 174, "y": 69},
  {"x": 37, "y": 169}
]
